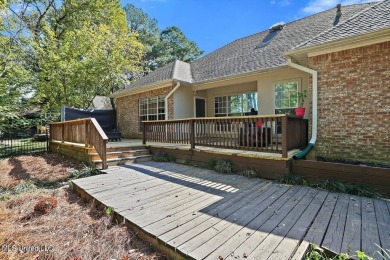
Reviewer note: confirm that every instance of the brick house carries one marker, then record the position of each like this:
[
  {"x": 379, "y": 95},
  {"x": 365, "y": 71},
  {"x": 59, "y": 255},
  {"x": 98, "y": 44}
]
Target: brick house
[{"x": 340, "y": 56}]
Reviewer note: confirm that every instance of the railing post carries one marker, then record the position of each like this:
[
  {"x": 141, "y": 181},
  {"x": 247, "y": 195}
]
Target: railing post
[
  {"x": 192, "y": 133},
  {"x": 62, "y": 132},
  {"x": 284, "y": 137},
  {"x": 303, "y": 133},
  {"x": 104, "y": 155},
  {"x": 47, "y": 137},
  {"x": 86, "y": 133},
  {"x": 143, "y": 132}
]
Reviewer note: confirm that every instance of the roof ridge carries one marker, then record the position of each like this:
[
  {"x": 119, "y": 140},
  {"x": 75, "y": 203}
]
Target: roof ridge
[{"x": 338, "y": 25}]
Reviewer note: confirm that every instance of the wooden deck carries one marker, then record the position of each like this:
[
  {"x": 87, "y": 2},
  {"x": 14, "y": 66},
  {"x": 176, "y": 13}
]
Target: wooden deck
[
  {"x": 194, "y": 213},
  {"x": 186, "y": 147}
]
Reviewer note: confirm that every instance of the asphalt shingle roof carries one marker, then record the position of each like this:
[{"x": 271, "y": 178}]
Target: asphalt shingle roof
[
  {"x": 265, "y": 50},
  {"x": 175, "y": 70},
  {"x": 373, "y": 18},
  {"x": 252, "y": 53},
  {"x": 160, "y": 74}
]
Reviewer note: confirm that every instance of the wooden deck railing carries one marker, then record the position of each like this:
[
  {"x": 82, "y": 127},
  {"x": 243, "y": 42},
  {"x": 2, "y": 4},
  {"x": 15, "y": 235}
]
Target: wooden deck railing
[
  {"x": 85, "y": 131},
  {"x": 276, "y": 133}
]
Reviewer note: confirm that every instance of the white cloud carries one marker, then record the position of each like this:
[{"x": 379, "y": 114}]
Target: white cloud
[
  {"x": 316, "y": 6},
  {"x": 281, "y": 3}
]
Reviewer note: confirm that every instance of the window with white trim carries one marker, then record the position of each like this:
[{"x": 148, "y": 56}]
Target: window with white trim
[
  {"x": 235, "y": 105},
  {"x": 286, "y": 97},
  {"x": 151, "y": 109}
]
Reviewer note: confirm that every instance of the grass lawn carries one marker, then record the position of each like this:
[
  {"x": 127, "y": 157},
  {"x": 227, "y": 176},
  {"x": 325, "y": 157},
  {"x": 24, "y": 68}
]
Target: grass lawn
[{"x": 73, "y": 229}]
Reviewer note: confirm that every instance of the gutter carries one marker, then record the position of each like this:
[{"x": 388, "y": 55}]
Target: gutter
[
  {"x": 167, "y": 97},
  {"x": 351, "y": 42},
  {"x": 313, "y": 139},
  {"x": 126, "y": 92},
  {"x": 199, "y": 85}
]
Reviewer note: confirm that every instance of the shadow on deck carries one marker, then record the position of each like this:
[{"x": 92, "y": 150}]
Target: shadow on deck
[{"x": 196, "y": 213}]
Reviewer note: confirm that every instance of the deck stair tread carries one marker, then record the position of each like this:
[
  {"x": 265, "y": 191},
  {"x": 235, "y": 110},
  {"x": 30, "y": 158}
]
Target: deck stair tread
[
  {"x": 121, "y": 155},
  {"x": 124, "y": 158},
  {"x": 120, "y": 152}
]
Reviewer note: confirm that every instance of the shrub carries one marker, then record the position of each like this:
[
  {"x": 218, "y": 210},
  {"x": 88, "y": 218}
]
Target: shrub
[
  {"x": 226, "y": 167},
  {"x": 4, "y": 197},
  {"x": 250, "y": 173},
  {"x": 160, "y": 157},
  {"x": 86, "y": 171},
  {"x": 163, "y": 157},
  {"x": 317, "y": 253},
  {"x": 171, "y": 158},
  {"x": 44, "y": 205},
  {"x": 109, "y": 210},
  {"x": 187, "y": 162},
  {"x": 211, "y": 163},
  {"x": 292, "y": 179},
  {"x": 27, "y": 186},
  {"x": 331, "y": 185},
  {"x": 74, "y": 173}
]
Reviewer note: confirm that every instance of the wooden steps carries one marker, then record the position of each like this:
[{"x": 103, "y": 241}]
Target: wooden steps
[{"x": 121, "y": 155}]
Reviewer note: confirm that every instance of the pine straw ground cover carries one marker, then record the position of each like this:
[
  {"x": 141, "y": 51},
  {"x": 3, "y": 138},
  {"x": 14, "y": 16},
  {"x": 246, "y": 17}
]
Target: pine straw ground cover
[{"x": 71, "y": 228}]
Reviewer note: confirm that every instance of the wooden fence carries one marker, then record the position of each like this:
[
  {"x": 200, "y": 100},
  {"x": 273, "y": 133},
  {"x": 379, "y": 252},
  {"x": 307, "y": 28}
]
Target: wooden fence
[
  {"x": 86, "y": 131},
  {"x": 276, "y": 133}
]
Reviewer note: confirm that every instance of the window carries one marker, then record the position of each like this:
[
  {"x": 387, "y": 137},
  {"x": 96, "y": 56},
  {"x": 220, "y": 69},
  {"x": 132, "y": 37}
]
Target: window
[
  {"x": 151, "y": 109},
  {"x": 286, "y": 97},
  {"x": 235, "y": 105}
]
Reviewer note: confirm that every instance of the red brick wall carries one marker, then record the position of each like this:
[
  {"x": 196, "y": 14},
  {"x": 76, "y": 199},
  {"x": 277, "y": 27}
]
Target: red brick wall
[
  {"x": 127, "y": 111},
  {"x": 354, "y": 103}
]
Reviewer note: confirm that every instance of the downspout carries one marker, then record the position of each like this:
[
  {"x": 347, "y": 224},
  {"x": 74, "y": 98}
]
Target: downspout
[
  {"x": 167, "y": 97},
  {"x": 312, "y": 141}
]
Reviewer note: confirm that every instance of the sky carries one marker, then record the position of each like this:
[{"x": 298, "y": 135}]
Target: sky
[{"x": 215, "y": 23}]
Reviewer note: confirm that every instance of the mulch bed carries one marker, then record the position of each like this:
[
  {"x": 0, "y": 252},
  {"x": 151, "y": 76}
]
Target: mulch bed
[
  {"x": 40, "y": 166},
  {"x": 73, "y": 229}
]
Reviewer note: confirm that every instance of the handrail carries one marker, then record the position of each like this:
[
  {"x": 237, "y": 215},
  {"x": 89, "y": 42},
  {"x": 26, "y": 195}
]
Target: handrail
[
  {"x": 86, "y": 131},
  {"x": 224, "y": 117},
  {"x": 274, "y": 133},
  {"x": 70, "y": 121}
]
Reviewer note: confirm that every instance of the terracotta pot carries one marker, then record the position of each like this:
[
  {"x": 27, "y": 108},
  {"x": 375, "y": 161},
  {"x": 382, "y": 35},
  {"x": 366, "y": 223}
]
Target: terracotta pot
[{"x": 300, "y": 111}]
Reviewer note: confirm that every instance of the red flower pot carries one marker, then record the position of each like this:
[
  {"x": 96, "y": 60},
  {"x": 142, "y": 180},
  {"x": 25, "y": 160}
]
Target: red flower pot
[{"x": 300, "y": 111}]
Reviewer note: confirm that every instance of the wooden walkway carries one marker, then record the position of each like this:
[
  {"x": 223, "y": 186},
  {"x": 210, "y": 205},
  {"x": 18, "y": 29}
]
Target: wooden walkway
[{"x": 194, "y": 213}]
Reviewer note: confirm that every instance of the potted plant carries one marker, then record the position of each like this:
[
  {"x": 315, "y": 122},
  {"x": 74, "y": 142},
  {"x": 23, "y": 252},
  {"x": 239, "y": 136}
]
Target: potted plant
[{"x": 300, "y": 110}]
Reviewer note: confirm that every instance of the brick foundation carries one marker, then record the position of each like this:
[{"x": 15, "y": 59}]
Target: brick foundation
[
  {"x": 354, "y": 103},
  {"x": 127, "y": 111}
]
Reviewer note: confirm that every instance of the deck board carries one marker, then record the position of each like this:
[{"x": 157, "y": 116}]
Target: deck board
[
  {"x": 167, "y": 225},
  {"x": 319, "y": 227},
  {"x": 352, "y": 232},
  {"x": 170, "y": 193},
  {"x": 268, "y": 222},
  {"x": 267, "y": 246},
  {"x": 383, "y": 220},
  {"x": 291, "y": 240},
  {"x": 334, "y": 235},
  {"x": 225, "y": 229},
  {"x": 370, "y": 235},
  {"x": 187, "y": 221},
  {"x": 184, "y": 241},
  {"x": 244, "y": 232},
  {"x": 197, "y": 213}
]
